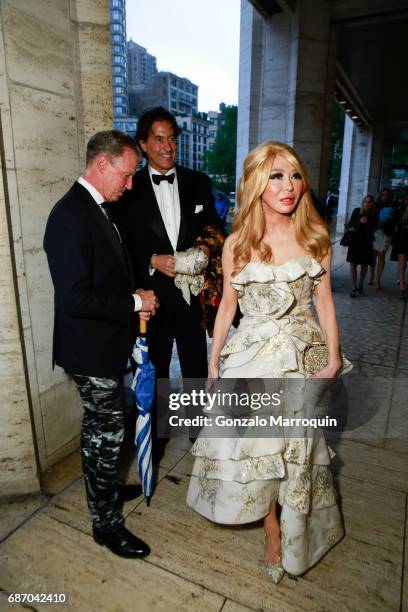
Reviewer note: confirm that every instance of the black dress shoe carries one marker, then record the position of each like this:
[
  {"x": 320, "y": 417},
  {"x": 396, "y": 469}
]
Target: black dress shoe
[
  {"x": 128, "y": 492},
  {"x": 122, "y": 543}
]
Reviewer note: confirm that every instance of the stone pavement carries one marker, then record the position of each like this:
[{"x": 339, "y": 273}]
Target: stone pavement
[{"x": 45, "y": 542}]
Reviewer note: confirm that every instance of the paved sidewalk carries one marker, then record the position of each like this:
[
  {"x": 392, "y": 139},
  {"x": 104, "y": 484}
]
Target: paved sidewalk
[{"x": 46, "y": 546}]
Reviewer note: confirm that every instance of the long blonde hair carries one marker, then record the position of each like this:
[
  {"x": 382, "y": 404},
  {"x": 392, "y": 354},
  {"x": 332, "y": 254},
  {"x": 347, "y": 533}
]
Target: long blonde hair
[{"x": 249, "y": 222}]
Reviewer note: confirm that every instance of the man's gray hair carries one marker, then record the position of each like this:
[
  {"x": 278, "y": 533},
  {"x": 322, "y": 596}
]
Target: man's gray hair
[{"x": 111, "y": 143}]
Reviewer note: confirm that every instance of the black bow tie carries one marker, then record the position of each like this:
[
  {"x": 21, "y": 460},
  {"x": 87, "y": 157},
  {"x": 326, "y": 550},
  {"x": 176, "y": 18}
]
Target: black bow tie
[{"x": 158, "y": 178}]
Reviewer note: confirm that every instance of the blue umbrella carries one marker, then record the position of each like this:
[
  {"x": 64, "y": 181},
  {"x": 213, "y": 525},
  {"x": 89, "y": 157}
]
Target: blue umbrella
[{"x": 143, "y": 387}]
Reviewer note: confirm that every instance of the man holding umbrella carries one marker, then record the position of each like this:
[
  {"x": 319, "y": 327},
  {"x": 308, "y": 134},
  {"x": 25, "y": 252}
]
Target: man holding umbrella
[
  {"x": 95, "y": 322},
  {"x": 164, "y": 213}
]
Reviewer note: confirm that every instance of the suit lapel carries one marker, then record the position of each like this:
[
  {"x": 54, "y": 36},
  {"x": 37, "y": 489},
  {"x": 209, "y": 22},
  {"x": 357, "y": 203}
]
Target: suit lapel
[
  {"x": 99, "y": 220},
  {"x": 185, "y": 206}
]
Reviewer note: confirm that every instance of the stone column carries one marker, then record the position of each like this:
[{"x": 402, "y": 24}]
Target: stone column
[
  {"x": 286, "y": 83},
  {"x": 55, "y": 90},
  {"x": 250, "y": 79},
  {"x": 314, "y": 83},
  {"x": 375, "y": 169},
  {"x": 355, "y": 165},
  {"x": 386, "y": 169},
  {"x": 19, "y": 469}
]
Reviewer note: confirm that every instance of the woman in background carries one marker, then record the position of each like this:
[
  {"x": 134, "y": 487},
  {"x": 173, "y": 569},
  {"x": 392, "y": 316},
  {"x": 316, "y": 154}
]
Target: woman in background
[
  {"x": 382, "y": 235},
  {"x": 360, "y": 251},
  {"x": 400, "y": 246}
]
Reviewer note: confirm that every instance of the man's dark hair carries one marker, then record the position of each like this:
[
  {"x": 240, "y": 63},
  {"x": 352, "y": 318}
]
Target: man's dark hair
[
  {"x": 111, "y": 143},
  {"x": 159, "y": 113}
]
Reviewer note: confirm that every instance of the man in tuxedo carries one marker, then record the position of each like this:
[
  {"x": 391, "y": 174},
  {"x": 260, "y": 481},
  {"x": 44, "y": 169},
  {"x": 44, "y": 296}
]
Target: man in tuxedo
[
  {"x": 165, "y": 212},
  {"x": 95, "y": 322}
]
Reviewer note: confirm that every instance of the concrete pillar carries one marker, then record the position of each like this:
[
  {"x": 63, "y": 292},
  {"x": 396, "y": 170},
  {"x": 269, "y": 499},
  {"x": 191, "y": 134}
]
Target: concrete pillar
[
  {"x": 55, "y": 84},
  {"x": 19, "y": 472},
  {"x": 250, "y": 81},
  {"x": 386, "y": 169},
  {"x": 375, "y": 169},
  {"x": 286, "y": 82},
  {"x": 355, "y": 166},
  {"x": 314, "y": 82}
]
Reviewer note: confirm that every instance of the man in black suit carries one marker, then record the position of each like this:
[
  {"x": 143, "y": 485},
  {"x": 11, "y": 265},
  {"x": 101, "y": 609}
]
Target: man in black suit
[
  {"x": 95, "y": 322},
  {"x": 165, "y": 212}
]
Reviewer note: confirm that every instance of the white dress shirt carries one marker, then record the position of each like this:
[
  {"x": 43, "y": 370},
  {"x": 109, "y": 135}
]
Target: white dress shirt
[
  {"x": 99, "y": 200},
  {"x": 167, "y": 197}
]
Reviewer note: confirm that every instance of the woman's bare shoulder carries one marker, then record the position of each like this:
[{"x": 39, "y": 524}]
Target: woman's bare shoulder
[{"x": 230, "y": 242}]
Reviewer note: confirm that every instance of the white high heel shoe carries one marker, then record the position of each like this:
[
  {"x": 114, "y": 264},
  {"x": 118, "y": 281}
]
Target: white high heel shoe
[{"x": 274, "y": 570}]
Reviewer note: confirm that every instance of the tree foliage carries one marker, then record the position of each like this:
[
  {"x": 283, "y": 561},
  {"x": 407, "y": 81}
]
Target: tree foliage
[
  {"x": 336, "y": 147},
  {"x": 221, "y": 159}
]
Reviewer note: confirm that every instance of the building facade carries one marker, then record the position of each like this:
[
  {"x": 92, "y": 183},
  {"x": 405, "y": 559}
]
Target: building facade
[
  {"x": 121, "y": 119},
  {"x": 141, "y": 66},
  {"x": 178, "y": 94},
  {"x": 56, "y": 92},
  {"x": 214, "y": 119},
  {"x": 118, "y": 54},
  {"x": 193, "y": 140}
]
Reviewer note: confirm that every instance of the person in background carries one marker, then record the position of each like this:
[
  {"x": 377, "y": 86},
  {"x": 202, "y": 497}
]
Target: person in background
[
  {"x": 360, "y": 251},
  {"x": 382, "y": 235},
  {"x": 400, "y": 245},
  {"x": 221, "y": 205}
]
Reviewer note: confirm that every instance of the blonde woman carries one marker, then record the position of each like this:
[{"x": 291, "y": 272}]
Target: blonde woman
[{"x": 276, "y": 257}]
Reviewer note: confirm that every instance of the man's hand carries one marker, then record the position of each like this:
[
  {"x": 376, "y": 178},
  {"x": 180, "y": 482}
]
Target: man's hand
[
  {"x": 164, "y": 264},
  {"x": 150, "y": 303},
  {"x": 205, "y": 249}
]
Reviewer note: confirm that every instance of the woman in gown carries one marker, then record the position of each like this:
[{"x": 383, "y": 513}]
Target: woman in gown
[{"x": 277, "y": 256}]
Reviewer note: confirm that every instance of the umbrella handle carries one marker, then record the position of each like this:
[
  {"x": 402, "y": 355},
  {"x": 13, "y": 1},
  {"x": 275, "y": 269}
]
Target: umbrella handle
[{"x": 142, "y": 326}]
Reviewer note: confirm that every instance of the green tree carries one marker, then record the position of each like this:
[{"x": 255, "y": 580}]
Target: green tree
[{"x": 220, "y": 161}]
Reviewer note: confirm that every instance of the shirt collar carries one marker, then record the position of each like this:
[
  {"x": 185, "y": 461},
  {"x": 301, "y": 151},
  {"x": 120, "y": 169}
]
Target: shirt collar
[
  {"x": 94, "y": 192},
  {"x": 153, "y": 171}
]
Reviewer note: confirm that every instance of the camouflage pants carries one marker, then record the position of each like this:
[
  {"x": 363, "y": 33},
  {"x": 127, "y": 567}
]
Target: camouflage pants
[{"x": 101, "y": 439}]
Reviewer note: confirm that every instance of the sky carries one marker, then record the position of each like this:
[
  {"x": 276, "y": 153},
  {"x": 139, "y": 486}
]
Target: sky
[{"x": 196, "y": 39}]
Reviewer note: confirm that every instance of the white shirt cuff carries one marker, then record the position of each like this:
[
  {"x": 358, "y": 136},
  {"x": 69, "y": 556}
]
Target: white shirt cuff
[
  {"x": 151, "y": 269},
  {"x": 138, "y": 302}
]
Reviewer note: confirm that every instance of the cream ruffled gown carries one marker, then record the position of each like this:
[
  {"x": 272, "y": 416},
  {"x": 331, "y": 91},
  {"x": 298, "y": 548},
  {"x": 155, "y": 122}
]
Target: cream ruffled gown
[{"x": 236, "y": 480}]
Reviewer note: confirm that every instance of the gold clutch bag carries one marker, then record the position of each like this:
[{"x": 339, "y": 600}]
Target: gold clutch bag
[{"x": 315, "y": 357}]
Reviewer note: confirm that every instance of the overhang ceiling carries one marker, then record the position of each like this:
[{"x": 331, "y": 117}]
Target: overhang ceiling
[{"x": 375, "y": 58}]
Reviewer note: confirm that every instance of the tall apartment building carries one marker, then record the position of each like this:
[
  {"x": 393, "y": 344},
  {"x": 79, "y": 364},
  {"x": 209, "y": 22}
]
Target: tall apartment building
[
  {"x": 176, "y": 93},
  {"x": 214, "y": 118},
  {"x": 193, "y": 140},
  {"x": 118, "y": 51},
  {"x": 121, "y": 119},
  {"x": 141, "y": 66}
]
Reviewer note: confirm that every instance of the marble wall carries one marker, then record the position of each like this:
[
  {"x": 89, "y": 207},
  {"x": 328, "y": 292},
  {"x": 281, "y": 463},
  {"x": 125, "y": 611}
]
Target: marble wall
[{"x": 55, "y": 83}]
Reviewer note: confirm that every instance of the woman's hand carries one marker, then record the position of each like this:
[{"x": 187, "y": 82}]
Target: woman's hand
[
  {"x": 330, "y": 371},
  {"x": 213, "y": 375}
]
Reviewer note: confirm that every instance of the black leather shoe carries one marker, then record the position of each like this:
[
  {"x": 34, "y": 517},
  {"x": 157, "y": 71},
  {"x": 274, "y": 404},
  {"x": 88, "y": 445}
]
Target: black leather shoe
[
  {"x": 128, "y": 492},
  {"x": 122, "y": 543}
]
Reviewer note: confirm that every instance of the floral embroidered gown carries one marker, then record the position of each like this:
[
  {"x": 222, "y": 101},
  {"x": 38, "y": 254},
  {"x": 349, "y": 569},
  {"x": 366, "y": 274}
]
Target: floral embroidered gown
[{"x": 237, "y": 480}]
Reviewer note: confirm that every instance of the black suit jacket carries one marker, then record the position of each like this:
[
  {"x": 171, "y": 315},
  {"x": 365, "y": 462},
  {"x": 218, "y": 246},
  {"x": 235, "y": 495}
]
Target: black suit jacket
[
  {"x": 140, "y": 217},
  {"x": 93, "y": 282}
]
